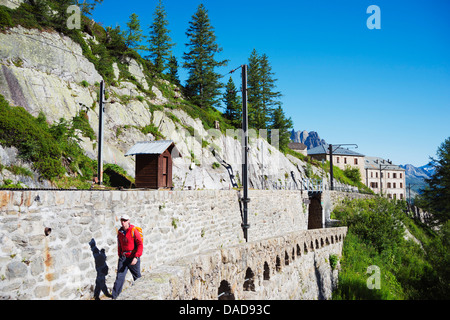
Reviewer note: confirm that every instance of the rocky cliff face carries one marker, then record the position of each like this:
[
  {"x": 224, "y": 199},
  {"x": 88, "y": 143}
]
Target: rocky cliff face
[{"x": 45, "y": 71}]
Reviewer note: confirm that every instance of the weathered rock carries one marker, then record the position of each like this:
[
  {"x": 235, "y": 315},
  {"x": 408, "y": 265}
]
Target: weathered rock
[{"x": 15, "y": 270}]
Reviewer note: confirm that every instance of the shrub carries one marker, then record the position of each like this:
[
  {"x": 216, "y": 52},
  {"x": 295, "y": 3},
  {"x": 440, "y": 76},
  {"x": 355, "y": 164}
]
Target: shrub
[
  {"x": 81, "y": 122},
  {"x": 53, "y": 150},
  {"x": 5, "y": 18},
  {"x": 31, "y": 137},
  {"x": 353, "y": 174},
  {"x": 377, "y": 221},
  {"x": 151, "y": 128},
  {"x": 375, "y": 237},
  {"x": 333, "y": 261}
]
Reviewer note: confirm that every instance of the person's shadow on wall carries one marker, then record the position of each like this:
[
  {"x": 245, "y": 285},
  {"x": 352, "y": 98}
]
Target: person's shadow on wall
[{"x": 102, "y": 270}]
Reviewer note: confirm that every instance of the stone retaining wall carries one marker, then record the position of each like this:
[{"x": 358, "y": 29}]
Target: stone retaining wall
[
  {"x": 295, "y": 266},
  {"x": 60, "y": 265}
]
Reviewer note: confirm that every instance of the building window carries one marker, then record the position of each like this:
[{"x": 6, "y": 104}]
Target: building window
[
  {"x": 389, "y": 185},
  {"x": 376, "y": 174},
  {"x": 356, "y": 160},
  {"x": 394, "y": 175},
  {"x": 389, "y": 174},
  {"x": 394, "y": 185},
  {"x": 401, "y": 185},
  {"x": 337, "y": 159},
  {"x": 371, "y": 174},
  {"x": 401, "y": 196},
  {"x": 401, "y": 175}
]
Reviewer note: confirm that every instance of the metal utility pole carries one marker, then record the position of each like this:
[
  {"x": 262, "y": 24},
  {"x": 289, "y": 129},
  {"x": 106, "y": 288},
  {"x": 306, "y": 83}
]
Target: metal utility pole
[
  {"x": 330, "y": 148},
  {"x": 100, "y": 132},
  {"x": 245, "y": 200}
]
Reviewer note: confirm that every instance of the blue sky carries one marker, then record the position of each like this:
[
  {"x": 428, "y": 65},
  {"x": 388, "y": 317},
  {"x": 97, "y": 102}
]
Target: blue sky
[{"x": 386, "y": 90}]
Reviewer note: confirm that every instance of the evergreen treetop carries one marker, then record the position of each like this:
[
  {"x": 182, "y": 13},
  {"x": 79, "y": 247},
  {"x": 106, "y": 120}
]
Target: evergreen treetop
[
  {"x": 203, "y": 84},
  {"x": 172, "y": 73},
  {"x": 133, "y": 35},
  {"x": 262, "y": 97},
  {"x": 283, "y": 125},
  {"x": 233, "y": 104},
  {"x": 436, "y": 197},
  {"x": 159, "y": 41}
]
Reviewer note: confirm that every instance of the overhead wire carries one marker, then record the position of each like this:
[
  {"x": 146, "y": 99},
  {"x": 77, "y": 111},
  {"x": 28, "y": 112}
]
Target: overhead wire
[{"x": 231, "y": 71}]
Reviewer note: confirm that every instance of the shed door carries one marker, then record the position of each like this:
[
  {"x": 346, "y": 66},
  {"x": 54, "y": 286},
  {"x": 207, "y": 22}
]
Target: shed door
[{"x": 165, "y": 171}]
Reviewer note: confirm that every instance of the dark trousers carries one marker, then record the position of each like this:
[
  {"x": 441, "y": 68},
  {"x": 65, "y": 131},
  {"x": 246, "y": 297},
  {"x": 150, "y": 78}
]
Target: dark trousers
[{"x": 122, "y": 267}]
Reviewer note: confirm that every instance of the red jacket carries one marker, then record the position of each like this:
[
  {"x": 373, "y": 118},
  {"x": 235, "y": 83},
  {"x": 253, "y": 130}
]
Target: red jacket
[{"x": 129, "y": 246}]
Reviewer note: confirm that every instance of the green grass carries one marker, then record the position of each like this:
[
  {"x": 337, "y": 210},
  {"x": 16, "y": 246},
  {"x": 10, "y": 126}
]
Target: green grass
[{"x": 357, "y": 258}]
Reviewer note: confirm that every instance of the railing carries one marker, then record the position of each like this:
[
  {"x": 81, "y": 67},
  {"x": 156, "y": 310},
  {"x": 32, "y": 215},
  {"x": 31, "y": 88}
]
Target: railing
[{"x": 306, "y": 184}]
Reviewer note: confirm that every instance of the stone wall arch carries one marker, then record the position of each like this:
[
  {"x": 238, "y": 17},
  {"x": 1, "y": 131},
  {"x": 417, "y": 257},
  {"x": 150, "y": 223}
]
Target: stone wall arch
[
  {"x": 249, "y": 280},
  {"x": 225, "y": 292},
  {"x": 266, "y": 272}
]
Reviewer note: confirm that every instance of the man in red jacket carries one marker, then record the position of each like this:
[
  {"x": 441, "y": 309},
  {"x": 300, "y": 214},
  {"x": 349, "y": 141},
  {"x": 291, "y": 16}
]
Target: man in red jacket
[{"x": 130, "y": 247}]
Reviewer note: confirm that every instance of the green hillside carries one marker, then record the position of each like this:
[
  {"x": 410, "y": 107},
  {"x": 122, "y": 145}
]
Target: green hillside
[{"x": 408, "y": 270}]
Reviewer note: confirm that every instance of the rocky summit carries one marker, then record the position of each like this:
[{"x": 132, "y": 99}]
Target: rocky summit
[{"x": 311, "y": 139}]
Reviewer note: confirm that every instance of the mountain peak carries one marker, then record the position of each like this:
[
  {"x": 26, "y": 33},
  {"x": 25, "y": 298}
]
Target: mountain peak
[{"x": 311, "y": 139}]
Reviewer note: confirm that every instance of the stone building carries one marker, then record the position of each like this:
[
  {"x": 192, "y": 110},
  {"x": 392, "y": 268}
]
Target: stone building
[
  {"x": 342, "y": 157},
  {"x": 382, "y": 176}
]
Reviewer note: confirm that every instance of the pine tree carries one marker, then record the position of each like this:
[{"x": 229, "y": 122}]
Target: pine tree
[
  {"x": 59, "y": 15},
  {"x": 253, "y": 91},
  {"x": 262, "y": 97},
  {"x": 159, "y": 40},
  {"x": 54, "y": 13},
  {"x": 87, "y": 6},
  {"x": 173, "y": 70},
  {"x": 270, "y": 97},
  {"x": 41, "y": 9},
  {"x": 283, "y": 125},
  {"x": 133, "y": 35},
  {"x": 115, "y": 41},
  {"x": 233, "y": 104},
  {"x": 203, "y": 85},
  {"x": 436, "y": 197}
]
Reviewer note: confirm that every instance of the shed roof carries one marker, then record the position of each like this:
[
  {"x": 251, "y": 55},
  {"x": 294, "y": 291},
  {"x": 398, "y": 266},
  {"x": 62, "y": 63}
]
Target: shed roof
[
  {"x": 323, "y": 149},
  {"x": 297, "y": 145},
  {"x": 151, "y": 147}
]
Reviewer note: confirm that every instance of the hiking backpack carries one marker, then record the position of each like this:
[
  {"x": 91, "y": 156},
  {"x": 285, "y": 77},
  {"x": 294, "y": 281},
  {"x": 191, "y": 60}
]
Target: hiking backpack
[{"x": 139, "y": 229}]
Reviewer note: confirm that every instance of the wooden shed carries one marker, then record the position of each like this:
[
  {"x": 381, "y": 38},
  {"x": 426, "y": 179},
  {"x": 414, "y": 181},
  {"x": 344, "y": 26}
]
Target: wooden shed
[{"x": 154, "y": 163}]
